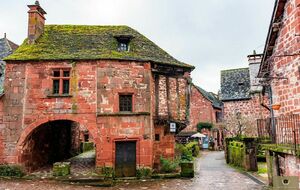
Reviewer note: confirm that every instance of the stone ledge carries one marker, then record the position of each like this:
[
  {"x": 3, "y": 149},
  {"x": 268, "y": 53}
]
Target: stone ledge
[
  {"x": 282, "y": 148},
  {"x": 59, "y": 96},
  {"x": 123, "y": 114}
]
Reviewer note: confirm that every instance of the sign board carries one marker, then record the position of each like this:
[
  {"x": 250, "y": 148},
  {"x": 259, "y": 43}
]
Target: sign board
[{"x": 173, "y": 127}]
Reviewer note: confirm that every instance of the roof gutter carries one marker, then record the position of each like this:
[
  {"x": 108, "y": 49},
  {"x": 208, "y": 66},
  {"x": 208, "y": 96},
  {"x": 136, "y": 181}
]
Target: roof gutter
[{"x": 277, "y": 12}]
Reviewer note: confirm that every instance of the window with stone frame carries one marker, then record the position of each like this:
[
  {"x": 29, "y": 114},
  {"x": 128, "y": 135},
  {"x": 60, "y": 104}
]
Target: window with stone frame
[
  {"x": 125, "y": 102},
  {"x": 61, "y": 81}
]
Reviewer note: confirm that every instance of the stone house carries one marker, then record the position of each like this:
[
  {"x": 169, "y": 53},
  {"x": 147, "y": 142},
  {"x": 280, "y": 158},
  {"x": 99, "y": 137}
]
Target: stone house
[
  {"x": 205, "y": 107},
  {"x": 280, "y": 69},
  {"x": 243, "y": 97},
  {"x": 109, "y": 82},
  {"x": 280, "y": 62}
]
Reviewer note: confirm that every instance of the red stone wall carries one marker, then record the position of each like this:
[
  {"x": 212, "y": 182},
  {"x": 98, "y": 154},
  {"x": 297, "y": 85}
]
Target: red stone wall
[
  {"x": 28, "y": 104},
  {"x": 170, "y": 105},
  {"x": 289, "y": 165},
  {"x": 123, "y": 78},
  {"x": 94, "y": 104},
  {"x": 250, "y": 110},
  {"x": 1, "y": 132},
  {"x": 13, "y": 109},
  {"x": 172, "y": 97},
  {"x": 165, "y": 147},
  {"x": 201, "y": 110},
  {"x": 286, "y": 92}
]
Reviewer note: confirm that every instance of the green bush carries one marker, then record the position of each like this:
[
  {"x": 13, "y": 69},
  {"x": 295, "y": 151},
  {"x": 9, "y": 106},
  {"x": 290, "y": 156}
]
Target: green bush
[
  {"x": 194, "y": 148},
  {"x": 168, "y": 166},
  {"x": 11, "y": 171},
  {"x": 143, "y": 173}
]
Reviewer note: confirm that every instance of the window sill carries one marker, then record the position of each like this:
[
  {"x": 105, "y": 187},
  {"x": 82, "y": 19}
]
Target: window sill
[
  {"x": 124, "y": 114},
  {"x": 59, "y": 96}
]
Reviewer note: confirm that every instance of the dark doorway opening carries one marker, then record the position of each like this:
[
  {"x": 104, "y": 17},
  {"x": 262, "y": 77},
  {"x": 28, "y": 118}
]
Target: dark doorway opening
[
  {"x": 125, "y": 159},
  {"x": 51, "y": 142}
]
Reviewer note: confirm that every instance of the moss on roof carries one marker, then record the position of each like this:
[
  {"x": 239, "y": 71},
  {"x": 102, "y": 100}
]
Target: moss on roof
[{"x": 80, "y": 42}]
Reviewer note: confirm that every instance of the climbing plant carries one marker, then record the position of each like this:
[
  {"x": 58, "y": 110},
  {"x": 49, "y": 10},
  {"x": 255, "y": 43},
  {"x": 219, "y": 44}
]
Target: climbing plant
[{"x": 204, "y": 125}]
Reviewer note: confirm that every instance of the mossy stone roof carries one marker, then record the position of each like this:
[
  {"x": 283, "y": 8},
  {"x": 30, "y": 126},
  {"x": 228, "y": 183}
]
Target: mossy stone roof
[
  {"x": 80, "y": 42},
  {"x": 235, "y": 84}
]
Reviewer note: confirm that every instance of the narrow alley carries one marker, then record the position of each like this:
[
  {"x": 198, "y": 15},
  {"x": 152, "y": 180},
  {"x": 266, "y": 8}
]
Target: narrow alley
[{"x": 211, "y": 173}]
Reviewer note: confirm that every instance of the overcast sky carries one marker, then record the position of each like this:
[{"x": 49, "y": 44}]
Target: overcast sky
[{"x": 209, "y": 34}]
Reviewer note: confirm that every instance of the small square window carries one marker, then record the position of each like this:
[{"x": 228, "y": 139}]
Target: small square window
[
  {"x": 157, "y": 137},
  {"x": 125, "y": 103}
]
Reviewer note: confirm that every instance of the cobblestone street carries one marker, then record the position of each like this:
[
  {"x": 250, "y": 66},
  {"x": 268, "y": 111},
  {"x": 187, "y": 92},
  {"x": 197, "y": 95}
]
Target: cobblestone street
[{"x": 211, "y": 173}]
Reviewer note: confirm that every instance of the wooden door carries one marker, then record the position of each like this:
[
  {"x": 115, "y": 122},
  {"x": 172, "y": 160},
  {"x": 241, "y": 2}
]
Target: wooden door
[{"x": 125, "y": 159}]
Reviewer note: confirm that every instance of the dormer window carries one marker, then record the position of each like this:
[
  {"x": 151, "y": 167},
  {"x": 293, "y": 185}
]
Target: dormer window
[{"x": 123, "y": 42}]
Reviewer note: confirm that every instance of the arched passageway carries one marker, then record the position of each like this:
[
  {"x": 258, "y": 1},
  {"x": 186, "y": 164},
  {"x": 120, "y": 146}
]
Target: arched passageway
[{"x": 52, "y": 142}]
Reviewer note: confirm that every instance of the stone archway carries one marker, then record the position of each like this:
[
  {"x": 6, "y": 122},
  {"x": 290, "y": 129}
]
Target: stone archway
[{"x": 50, "y": 142}]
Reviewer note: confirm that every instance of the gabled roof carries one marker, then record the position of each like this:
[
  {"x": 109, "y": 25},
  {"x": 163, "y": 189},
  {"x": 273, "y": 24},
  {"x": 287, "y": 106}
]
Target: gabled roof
[
  {"x": 80, "y": 42},
  {"x": 216, "y": 103},
  {"x": 235, "y": 84},
  {"x": 6, "y": 47},
  {"x": 277, "y": 16}
]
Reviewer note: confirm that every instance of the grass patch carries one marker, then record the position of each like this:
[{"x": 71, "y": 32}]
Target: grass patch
[{"x": 262, "y": 168}]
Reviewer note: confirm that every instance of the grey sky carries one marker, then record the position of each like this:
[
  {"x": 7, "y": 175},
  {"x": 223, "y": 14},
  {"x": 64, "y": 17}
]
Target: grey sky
[{"x": 211, "y": 35}]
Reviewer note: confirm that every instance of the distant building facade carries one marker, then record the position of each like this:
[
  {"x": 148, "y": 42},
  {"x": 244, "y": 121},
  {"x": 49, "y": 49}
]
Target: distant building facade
[{"x": 244, "y": 98}]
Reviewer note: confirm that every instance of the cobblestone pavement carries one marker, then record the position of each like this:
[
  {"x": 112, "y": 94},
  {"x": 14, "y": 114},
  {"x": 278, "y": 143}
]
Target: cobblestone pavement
[{"x": 211, "y": 173}]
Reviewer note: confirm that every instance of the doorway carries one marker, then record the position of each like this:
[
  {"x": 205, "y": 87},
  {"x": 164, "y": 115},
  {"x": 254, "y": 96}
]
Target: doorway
[{"x": 125, "y": 159}]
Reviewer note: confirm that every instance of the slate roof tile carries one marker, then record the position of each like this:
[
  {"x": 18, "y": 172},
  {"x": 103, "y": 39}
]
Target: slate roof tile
[{"x": 235, "y": 84}]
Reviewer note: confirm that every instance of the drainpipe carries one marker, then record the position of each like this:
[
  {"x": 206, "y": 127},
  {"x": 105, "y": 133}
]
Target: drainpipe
[{"x": 273, "y": 126}]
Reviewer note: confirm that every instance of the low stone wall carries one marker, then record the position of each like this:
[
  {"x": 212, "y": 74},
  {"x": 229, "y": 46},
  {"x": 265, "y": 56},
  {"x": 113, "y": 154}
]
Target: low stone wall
[
  {"x": 241, "y": 152},
  {"x": 281, "y": 161}
]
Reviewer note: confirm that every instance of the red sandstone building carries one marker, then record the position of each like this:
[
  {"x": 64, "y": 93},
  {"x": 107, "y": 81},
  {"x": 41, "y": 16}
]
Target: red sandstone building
[
  {"x": 109, "y": 83},
  {"x": 280, "y": 69},
  {"x": 206, "y": 109},
  {"x": 244, "y": 98},
  {"x": 280, "y": 63}
]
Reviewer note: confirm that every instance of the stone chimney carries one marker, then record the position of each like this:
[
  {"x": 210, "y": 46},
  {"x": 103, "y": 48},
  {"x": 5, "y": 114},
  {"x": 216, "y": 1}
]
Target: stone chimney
[
  {"x": 254, "y": 64},
  {"x": 36, "y": 22}
]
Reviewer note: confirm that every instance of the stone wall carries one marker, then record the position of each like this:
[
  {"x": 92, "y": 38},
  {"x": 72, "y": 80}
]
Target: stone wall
[
  {"x": 124, "y": 78},
  {"x": 171, "y": 103},
  {"x": 29, "y": 103},
  {"x": 93, "y": 103},
  {"x": 286, "y": 92},
  {"x": 172, "y": 96},
  {"x": 13, "y": 102},
  {"x": 164, "y": 146},
  {"x": 281, "y": 162},
  {"x": 250, "y": 110}
]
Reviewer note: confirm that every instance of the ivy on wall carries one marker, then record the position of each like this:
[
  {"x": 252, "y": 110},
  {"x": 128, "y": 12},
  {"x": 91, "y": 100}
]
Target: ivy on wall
[{"x": 204, "y": 125}]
